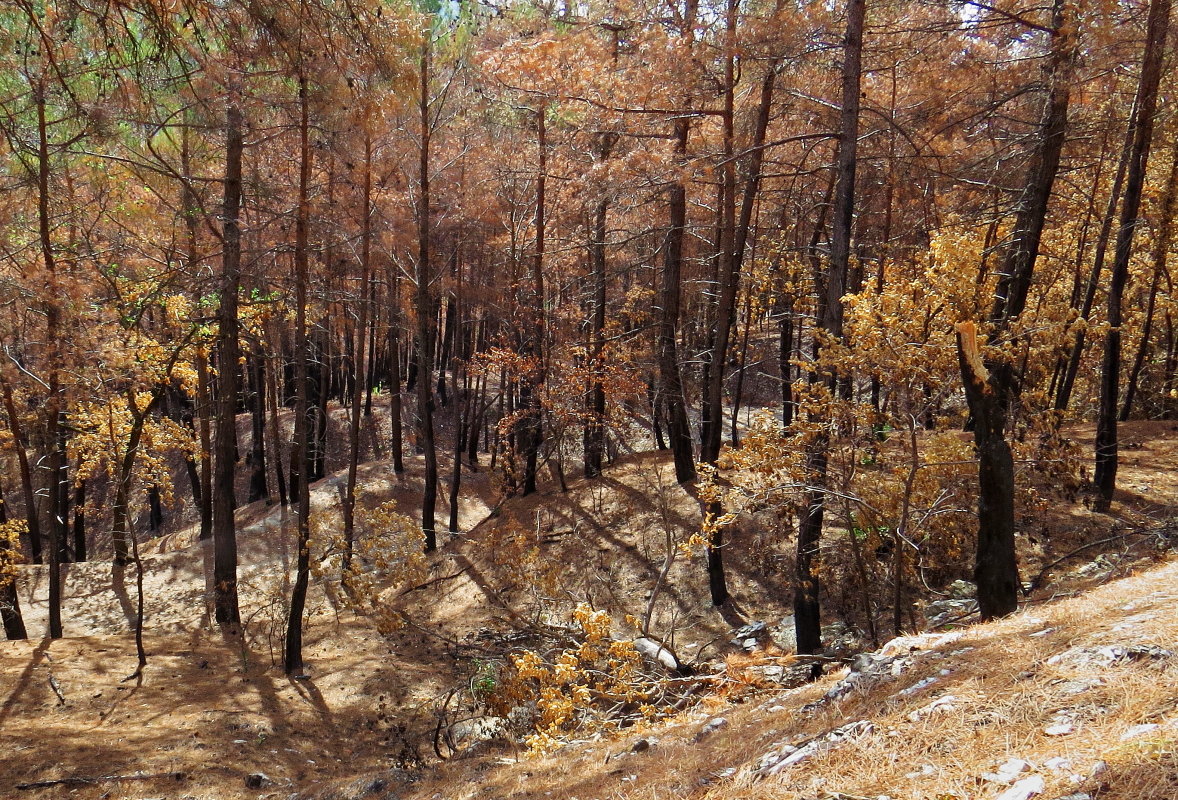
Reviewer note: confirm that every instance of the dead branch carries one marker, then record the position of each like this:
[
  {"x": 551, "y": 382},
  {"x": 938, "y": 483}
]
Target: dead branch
[
  {"x": 53, "y": 684},
  {"x": 90, "y": 781}
]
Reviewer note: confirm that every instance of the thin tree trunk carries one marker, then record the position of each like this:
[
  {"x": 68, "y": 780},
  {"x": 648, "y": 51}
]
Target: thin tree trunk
[
  {"x": 80, "y": 521},
  {"x": 14, "y": 623},
  {"x": 594, "y": 438},
  {"x": 1105, "y": 476},
  {"x": 670, "y": 391},
  {"x": 1169, "y": 367},
  {"x": 1161, "y": 247},
  {"x": 447, "y": 344},
  {"x": 530, "y": 435},
  {"x": 358, "y": 365},
  {"x": 155, "y": 509},
  {"x": 270, "y": 370},
  {"x": 807, "y": 610},
  {"x": 463, "y": 426},
  {"x": 54, "y": 434},
  {"x": 228, "y": 614},
  {"x": 728, "y": 272},
  {"x": 1064, "y": 393},
  {"x": 202, "y": 404},
  {"x": 293, "y": 657},
  {"x": 26, "y": 474},
  {"x": 744, "y": 355},
  {"x": 259, "y": 488},
  {"x": 425, "y": 312},
  {"x": 371, "y": 375},
  {"x": 319, "y": 388}
]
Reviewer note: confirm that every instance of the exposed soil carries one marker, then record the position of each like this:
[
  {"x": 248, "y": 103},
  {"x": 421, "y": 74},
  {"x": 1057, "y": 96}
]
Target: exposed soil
[{"x": 208, "y": 713}]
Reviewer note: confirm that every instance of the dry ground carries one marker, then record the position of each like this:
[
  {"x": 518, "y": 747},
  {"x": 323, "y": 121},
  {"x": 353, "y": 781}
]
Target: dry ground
[
  {"x": 998, "y": 690},
  {"x": 208, "y": 713}
]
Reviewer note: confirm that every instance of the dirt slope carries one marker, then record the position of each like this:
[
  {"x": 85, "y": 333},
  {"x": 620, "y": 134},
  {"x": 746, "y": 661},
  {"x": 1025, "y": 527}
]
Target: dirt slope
[
  {"x": 208, "y": 714},
  {"x": 1084, "y": 690}
]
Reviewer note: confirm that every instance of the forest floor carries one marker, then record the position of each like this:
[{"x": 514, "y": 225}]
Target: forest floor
[{"x": 209, "y": 713}]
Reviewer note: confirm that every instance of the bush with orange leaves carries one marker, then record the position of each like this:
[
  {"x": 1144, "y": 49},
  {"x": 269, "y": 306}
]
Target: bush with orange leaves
[{"x": 590, "y": 684}]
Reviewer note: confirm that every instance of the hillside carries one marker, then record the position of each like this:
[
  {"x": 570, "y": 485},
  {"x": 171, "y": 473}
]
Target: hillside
[
  {"x": 928, "y": 715},
  {"x": 1083, "y": 690}
]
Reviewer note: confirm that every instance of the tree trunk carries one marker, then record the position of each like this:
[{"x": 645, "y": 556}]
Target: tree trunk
[
  {"x": 807, "y": 610},
  {"x": 670, "y": 392},
  {"x": 14, "y": 623},
  {"x": 155, "y": 509},
  {"x": 204, "y": 407},
  {"x": 26, "y": 474},
  {"x": 425, "y": 313},
  {"x": 990, "y": 387},
  {"x": 995, "y": 566},
  {"x": 201, "y": 406},
  {"x": 1161, "y": 247},
  {"x": 728, "y": 271},
  {"x": 743, "y": 363},
  {"x": 1064, "y": 393},
  {"x": 1110, "y": 373},
  {"x": 224, "y": 528},
  {"x": 54, "y": 433},
  {"x": 463, "y": 426},
  {"x": 530, "y": 435},
  {"x": 371, "y": 374},
  {"x": 270, "y": 369},
  {"x": 447, "y": 344},
  {"x": 319, "y": 394},
  {"x": 80, "y": 521},
  {"x": 595, "y": 398},
  {"x": 358, "y": 365},
  {"x": 259, "y": 488},
  {"x": 293, "y": 657}
]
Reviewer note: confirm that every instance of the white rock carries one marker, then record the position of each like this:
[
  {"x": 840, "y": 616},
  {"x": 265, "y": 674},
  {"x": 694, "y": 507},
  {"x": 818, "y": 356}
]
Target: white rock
[
  {"x": 1024, "y": 789},
  {"x": 941, "y": 704},
  {"x": 1138, "y": 730},
  {"x": 916, "y": 687},
  {"x": 1057, "y": 764},
  {"x": 1008, "y": 771},
  {"x": 1062, "y": 729},
  {"x": 713, "y": 725}
]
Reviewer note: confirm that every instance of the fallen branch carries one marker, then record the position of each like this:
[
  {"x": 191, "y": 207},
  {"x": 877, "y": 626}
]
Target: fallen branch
[
  {"x": 429, "y": 583},
  {"x": 53, "y": 684},
  {"x": 79, "y": 781},
  {"x": 1037, "y": 583}
]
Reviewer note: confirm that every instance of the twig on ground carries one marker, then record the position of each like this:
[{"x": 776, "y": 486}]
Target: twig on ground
[
  {"x": 433, "y": 581},
  {"x": 89, "y": 781},
  {"x": 1037, "y": 583},
  {"x": 56, "y": 689}
]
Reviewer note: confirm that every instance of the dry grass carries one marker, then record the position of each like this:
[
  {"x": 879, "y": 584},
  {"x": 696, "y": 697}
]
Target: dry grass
[
  {"x": 216, "y": 713},
  {"x": 1006, "y": 690}
]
